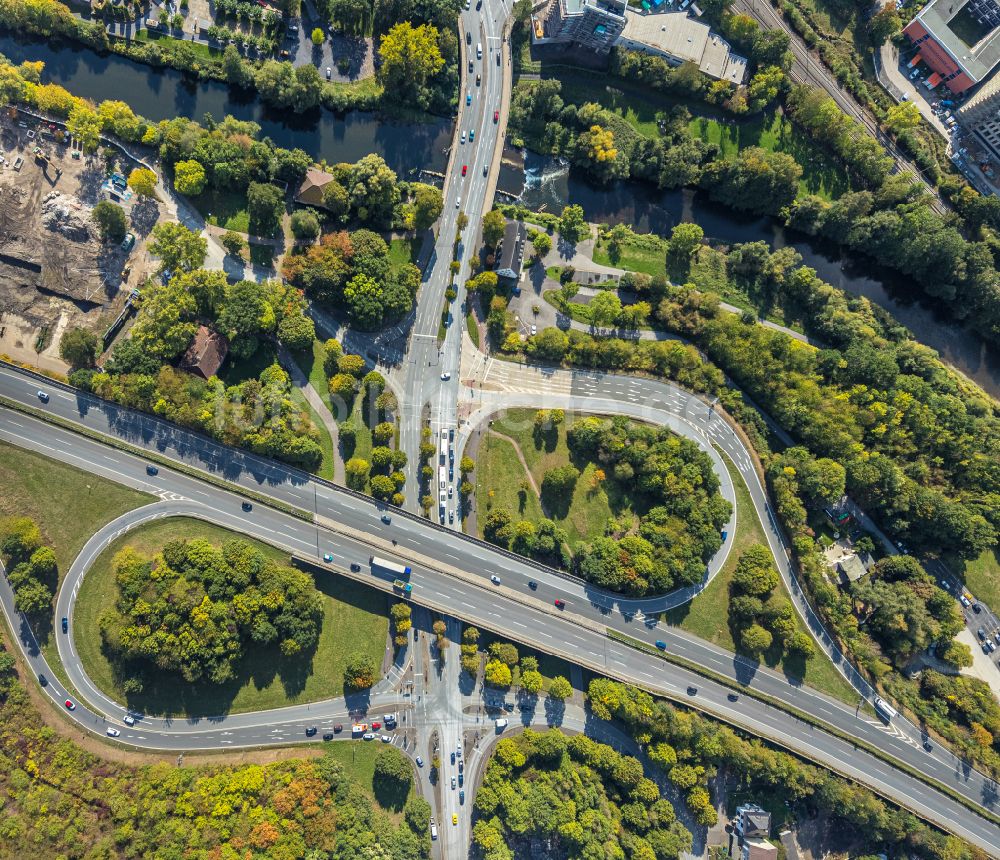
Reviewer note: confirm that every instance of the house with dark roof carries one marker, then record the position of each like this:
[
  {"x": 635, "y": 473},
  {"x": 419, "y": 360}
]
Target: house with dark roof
[
  {"x": 205, "y": 355},
  {"x": 853, "y": 566},
  {"x": 751, "y": 829},
  {"x": 310, "y": 191},
  {"x": 510, "y": 254}
]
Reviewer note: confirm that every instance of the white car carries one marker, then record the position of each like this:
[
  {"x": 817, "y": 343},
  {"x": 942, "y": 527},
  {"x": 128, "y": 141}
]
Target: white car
[
  {"x": 129, "y": 720},
  {"x": 445, "y": 376},
  {"x": 534, "y": 329},
  {"x": 369, "y": 736},
  {"x": 495, "y": 579},
  {"x": 113, "y": 733},
  {"x": 386, "y": 739},
  {"x": 453, "y": 782}
]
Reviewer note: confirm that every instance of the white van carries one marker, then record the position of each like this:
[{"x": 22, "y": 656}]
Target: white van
[
  {"x": 500, "y": 724},
  {"x": 434, "y": 830},
  {"x": 479, "y": 50}
]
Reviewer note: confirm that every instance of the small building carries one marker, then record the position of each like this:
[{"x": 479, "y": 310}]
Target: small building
[
  {"x": 751, "y": 829},
  {"x": 678, "y": 39},
  {"x": 310, "y": 191},
  {"x": 752, "y": 821},
  {"x": 510, "y": 254},
  {"x": 852, "y": 567},
  {"x": 205, "y": 355}
]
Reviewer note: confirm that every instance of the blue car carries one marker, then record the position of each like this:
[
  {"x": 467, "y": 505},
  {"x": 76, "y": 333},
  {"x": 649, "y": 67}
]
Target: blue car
[
  {"x": 472, "y": 135},
  {"x": 65, "y": 625},
  {"x": 468, "y": 98},
  {"x": 661, "y": 644}
]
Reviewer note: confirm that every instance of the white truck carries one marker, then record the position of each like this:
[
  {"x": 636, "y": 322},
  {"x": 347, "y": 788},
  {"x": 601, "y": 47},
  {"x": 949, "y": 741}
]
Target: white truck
[
  {"x": 884, "y": 709},
  {"x": 479, "y": 50},
  {"x": 391, "y": 566},
  {"x": 500, "y": 724}
]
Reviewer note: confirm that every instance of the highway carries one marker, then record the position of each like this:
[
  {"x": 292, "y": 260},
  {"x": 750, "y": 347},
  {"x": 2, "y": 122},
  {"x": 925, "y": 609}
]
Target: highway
[
  {"x": 429, "y": 396},
  {"x": 523, "y": 615}
]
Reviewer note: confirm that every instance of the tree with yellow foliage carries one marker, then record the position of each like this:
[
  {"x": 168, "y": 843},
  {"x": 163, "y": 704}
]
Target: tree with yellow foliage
[{"x": 410, "y": 58}]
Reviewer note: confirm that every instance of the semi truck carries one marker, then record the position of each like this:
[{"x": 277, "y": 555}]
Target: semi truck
[{"x": 391, "y": 566}]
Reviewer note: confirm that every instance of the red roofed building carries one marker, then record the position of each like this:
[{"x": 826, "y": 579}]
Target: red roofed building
[
  {"x": 958, "y": 41},
  {"x": 206, "y": 353}
]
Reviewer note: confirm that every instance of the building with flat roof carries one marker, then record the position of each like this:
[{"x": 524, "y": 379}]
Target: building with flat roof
[
  {"x": 593, "y": 24},
  {"x": 959, "y": 42},
  {"x": 981, "y": 114},
  {"x": 678, "y": 38}
]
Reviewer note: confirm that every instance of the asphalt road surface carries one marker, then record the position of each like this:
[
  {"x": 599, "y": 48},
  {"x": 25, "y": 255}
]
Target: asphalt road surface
[{"x": 526, "y": 616}]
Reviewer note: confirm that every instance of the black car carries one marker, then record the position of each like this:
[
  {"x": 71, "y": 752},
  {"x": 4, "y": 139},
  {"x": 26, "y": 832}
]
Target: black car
[
  {"x": 692, "y": 691},
  {"x": 733, "y": 697},
  {"x": 532, "y": 584},
  {"x": 152, "y": 470},
  {"x": 328, "y": 737},
  {"x": 43, "y": 680},
  {"x": 247, "y": 506},
  {"x": 338, "y": 728},
  {"x": 355, "y": 566},
  {"x": 311, "y": 731},
  {"x": 927, "y": 746},
  {"x": 65, "y": 625}
]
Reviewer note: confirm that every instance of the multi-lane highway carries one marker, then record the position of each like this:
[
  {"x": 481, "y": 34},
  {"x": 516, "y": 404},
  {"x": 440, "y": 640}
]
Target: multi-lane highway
[
  {"x": 450, "y": 572},
  {"x": 429, "y": 375}
]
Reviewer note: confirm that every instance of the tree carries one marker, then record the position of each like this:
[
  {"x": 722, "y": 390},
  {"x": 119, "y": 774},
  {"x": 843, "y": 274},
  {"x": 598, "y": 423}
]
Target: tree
[
  {"x": 352, "y": 364},
  {"x": 189, "y": 177},
  {"x": 111, "y": 221},
  {"x": 234, "y": 243},
  {"x": 902, "y": 116},
  {"x": 755, "y": 639},
  {"x": 572, "y": 224},
  {"x": 494, "y": 225},
  {"x": 317, "y": 36},
  {"x": 560, "y": 688},
  {"x": 20, "y": 537},
  {"x": 33, "y": 597},
  {"x": 364, "y": 297},
  {"x": 79, "y": 347},
  {"x": 305, "y": 224},
  {"x": 265, "y": 205},
  {"x": 297, "y": 332},
  {"x": 360, "y": 672},
  {"x": 178, "y": 248},
  {"x": 85, "y": 125},
  {"x": 498, "y": 674},
  {"x": 392, "y": 767},
  {"x": 428, "y": 201},
  {"x": 605, "y": 308},
  {"x": 755, "y": 574},
  {"x": 542, "y": 244},
  {"x": 883, "y": 25},
  {"x": 560, "y": 481},
  {"x": 356, "y": 472},
  {"x": 236, "y": 71},
  {"x": 531, "y": 681},
  {"x": 410, "y": 57},
  {"x": 685, "y": 240},
  {"x": 466, "y": 465},
  {"x": 800, "y": 643},
  {"x": 142, "y": 182}
]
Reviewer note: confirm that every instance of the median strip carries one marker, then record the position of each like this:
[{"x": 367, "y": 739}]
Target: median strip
[
  {"x": 780, "y": 705},
  {"x": 156, "y": 457}
]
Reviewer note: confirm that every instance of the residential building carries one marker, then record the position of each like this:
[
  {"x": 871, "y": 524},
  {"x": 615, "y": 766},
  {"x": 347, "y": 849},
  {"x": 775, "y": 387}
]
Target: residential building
[
  {"x": 679, "y": 38},
  {"x": 751, "y": 828},
  {"x": 510, "y": 254},
  {"x": 853, "y": 566},
  {"x": 959, "y": 42},
  {"x": 310, "y": 191},
  {"x": 592, "y": 24},
  {"x": 205, "y": 355},
  {"x": 981, "y": 114}
]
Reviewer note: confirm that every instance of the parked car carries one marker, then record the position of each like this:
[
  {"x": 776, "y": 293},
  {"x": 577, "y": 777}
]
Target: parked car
[
  {"x": 420, "y": 761},
  {"x": 328, "y": 736},
  {"x": 453, "y": 782},
  {"x": 338, "y": 728},
  {"x": 369, "y": 736}
]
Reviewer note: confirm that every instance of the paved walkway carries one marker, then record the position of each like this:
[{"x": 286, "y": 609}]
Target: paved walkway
[{"x": 301, "y": 381}]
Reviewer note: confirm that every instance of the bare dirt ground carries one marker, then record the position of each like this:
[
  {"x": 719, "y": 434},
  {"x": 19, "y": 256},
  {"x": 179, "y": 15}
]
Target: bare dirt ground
[{"x": 54, "y": 270}]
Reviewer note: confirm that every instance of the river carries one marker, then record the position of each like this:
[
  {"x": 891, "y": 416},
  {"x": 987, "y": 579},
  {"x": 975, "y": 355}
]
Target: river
[
  {"x": 165, "y": 93},
  {"x": 547, "y": 184}
]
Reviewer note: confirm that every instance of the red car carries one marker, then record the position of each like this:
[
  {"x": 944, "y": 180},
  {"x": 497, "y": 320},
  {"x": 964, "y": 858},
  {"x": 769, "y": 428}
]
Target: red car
[
  {"x": 70, "y": 706},
  {"x": 465, "y": 169},
  {"x": 376, "y": 725},
  {"x": 496, "y": 116},
  {"x": 561, "y": 604}
]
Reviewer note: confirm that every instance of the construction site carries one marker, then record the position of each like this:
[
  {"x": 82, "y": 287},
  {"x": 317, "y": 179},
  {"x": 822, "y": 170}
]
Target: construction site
[{"x": 55, "y": 272}]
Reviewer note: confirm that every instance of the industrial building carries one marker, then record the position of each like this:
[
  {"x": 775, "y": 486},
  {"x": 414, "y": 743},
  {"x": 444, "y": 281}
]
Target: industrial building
[{"x": 959, "y": 42}]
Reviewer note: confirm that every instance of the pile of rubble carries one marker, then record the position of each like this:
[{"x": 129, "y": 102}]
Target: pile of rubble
[{"x": 62, "y": 215}]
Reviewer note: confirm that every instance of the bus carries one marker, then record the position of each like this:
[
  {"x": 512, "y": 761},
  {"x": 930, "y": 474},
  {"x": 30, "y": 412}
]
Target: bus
[
  {"x": 444, "y": 448},
  {"x": 884, "y": 709},
  {"x": 391, "y": 566}
]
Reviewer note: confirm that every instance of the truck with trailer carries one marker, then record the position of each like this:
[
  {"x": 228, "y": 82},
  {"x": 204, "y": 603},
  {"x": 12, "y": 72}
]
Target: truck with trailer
[{"x": 400, "y": 570}]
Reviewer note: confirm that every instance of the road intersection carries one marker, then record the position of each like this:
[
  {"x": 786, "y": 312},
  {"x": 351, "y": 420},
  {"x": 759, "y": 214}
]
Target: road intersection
[{"x": 450, "y": 574}]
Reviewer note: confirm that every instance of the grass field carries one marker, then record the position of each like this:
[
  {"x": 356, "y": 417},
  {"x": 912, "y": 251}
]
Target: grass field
[
  {"x": 583, "y": 516},
  {"x": 981, "y": 576},
  {"x": 325, "y": 469},
  {"x": 707, "y": 615},
  {"x": 821, "y": 175},
  {"x": 166, "y": 42},
  {"x": 651, "y": 261},
  {"x": 403, "y": 250},
  {"x": 223, "y": 208},
  {"x": 499, "y": 475},
  {"x": 354, "y": 619},
  {"x": 358, "y": 759},
  {"x": 472, "y": 328},
  {"x": 68, "y": 504}
]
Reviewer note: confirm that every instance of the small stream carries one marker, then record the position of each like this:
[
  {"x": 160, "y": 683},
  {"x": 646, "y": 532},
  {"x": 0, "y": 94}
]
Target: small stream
[{"x": 547, "y": 184}]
